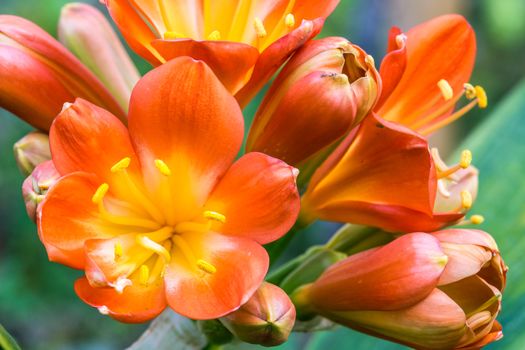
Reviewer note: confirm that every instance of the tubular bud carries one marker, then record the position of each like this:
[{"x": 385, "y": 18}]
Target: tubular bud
[
  {"x": 266, "y": 319},
  {"x": 31, "y": 150},
  {"x": 36, "y": 185},
  {"x": 85, "y": 31}
]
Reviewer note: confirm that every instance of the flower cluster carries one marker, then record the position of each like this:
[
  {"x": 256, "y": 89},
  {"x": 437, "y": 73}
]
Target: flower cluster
[{"x": 138, "y": 181}]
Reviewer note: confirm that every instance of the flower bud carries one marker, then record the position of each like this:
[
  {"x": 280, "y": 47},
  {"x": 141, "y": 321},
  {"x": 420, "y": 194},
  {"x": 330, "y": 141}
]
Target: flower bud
[
  {"x": 32, "y": 58},
  {"x": 37, "y": 184},
  {"x": 31, "y": 150},
  {"x": 85, "y": 31},
  {"x": 266, "y": 319},
  {"x": 330, "y": 84}
]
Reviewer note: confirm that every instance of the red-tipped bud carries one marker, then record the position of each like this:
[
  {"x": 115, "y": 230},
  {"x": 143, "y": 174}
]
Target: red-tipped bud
[
  {"x": 31, "y": 150},
  {"x": 38, "y": 75},
  {"x": 37, "y": 184},
  {"x": 327, "y": 87},
  {"x": 266, "y": 319}
]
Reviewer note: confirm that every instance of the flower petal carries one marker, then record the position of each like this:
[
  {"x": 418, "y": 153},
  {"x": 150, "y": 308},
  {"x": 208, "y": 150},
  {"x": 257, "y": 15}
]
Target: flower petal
[
  {"x": 181, "y": 114},
  {"x": 258, "y": 197},
  {"x": 240, "y": 263},
  {"x": 136, "y": 304},
  {"x": 230, "y": 61}
]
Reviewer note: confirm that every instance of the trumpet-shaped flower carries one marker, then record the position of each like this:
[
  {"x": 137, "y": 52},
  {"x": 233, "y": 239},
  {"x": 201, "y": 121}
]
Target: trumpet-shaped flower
[
  {"x": 244, "y": 42},
  {"x": 38, "y": 75},
  {"x": 158, "y": 215}
]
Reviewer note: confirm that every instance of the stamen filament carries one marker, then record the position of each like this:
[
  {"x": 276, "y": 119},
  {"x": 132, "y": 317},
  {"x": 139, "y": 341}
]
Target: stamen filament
[
  {"x": 438, "y": 112},
  {"x": 154, "y": 246},
  {"x": 184, "y": 247},
  {"x": 119, "y": 251},
  {"x": 173, "y": 36},
  {"x": 144, "y": 275},
  {"x": 185, "y": 227},
  {"x": 466, "y": 160},
  {"x": 453, "y": 117}
]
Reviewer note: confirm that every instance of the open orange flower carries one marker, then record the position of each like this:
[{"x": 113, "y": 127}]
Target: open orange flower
[
  {"x": 157, "y": 215},
  {"x": 244, "y": 42},
  {"x": 426, "y": 72}
]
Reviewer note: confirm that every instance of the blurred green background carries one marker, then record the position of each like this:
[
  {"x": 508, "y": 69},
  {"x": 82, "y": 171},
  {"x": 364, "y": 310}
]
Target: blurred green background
[{"x": 37, "y": 302}]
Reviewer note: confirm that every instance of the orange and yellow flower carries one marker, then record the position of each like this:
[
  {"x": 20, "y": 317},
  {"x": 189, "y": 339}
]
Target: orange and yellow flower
[
  {"x": 157, "y": 215},
  {"x": 244, "y": 42}
]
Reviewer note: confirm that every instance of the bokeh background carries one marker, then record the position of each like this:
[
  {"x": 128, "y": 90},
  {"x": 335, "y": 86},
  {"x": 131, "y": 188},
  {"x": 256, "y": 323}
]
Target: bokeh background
[{"x": 37, "y": 302}]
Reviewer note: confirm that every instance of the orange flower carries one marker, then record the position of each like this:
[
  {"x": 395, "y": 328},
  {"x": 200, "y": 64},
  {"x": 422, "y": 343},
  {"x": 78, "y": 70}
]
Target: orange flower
[
  {"x": 38, "y": 75},
  {"x": 157, "y": 215},
  {"x": 244, "y": 42},
  {"x": 426, "y": 72},
  {"x": 439, "y": 291}
]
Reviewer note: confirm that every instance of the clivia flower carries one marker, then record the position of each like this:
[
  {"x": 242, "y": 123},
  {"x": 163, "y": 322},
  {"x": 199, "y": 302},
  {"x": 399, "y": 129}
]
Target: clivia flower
[
  {"x": 427, "y": 291},
  {"x": 244, "y": 42},
  {"x": 157, "y": 215}
]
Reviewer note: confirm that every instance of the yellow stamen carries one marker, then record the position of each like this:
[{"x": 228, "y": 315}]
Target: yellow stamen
[
  {"x": 121, "y": 165},
  {"x": 214, "y": 36},
  {"x": 101, "y": 191},
  {"x": 119, "y": 251},
  {"x": 289, "y": 20},
  {"x": 185, "y": 227},
  {"x": 466, "y": 159},
  {"x": 477, "y": 219},
  {"x": 401, "y": 40},
  {"x": 163, "y": 167},
  {"x": 466, "y": 199},
  {"x": 104, "y": 310},
  {"x": 470, "y": 91},
  {"x": 120, "y": 284},
  {"x": 259, "y": 28},
  {"x": 206, "y": 266},
  {"x": 213, "y": 215},
  {"x": 154, "y": 246},
  {"x": 144, "y": 275},
  {"x": 160, "y": 264},
  {"x": 185, "y": 248},
  {"x": 483, "y": 101},
  {"x": 441, "y": 260},
  {"x": 446, "y": 89},
  {"x": 173, "y": 36}
]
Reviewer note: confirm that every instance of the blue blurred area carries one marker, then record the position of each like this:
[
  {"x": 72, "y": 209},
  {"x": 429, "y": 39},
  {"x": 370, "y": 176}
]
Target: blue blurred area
[{"x": 37, "y": 301}]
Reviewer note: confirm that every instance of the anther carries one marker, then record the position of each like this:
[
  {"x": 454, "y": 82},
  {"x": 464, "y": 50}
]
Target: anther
[
  {"x": 119, "y": 251},
  {"x": 470, "y": 91},
  {"x": 213, "y": 215},
  {"x": 104, "y": 310},
  {"x": 121, "y": 165},
  {"x": 206, "y": 266},
  {"x": 446, "y": 89},
  {"x": 466, "y": 199},
  {"x": 66, "y": 106},
  {"x": 173, "y": 36},
  {"x": 441, "y": 260},
  {"x": 163, "y": 167},
  {"x": 401, "y": 40},
  {"x": 154, "y": 246},
  {"x": 214, "y": 36},
  {"x": 477, "y": 219},
  {"x": 289, "y": 20},
  {"x": 120, "y": 284},
  {"x": 466, "y": 159},
  {"x": 482, "y": 97},
  {"x": 259, "y": 28},
  {"x": 100, "y": 193},
  {"x": 144, "y": 275}
]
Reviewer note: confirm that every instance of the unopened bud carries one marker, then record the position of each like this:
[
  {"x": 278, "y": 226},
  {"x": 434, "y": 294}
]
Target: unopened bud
[
  {"x": 266, "y": 319},
  {"x": 31, "y": 150},
  {"x": 37, "y": 184}
]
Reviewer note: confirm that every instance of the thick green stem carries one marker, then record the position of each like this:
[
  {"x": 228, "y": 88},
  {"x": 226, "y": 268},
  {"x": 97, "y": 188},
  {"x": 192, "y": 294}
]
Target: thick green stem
[{"x": 7, "y": 342}]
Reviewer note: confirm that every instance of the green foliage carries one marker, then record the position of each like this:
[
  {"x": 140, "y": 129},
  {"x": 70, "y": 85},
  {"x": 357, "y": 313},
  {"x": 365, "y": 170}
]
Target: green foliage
[{"x": 7, "y": 342}]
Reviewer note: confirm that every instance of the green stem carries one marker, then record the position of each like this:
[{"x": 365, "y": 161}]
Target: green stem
[
  {"x": 277, "y": 248},
  {"x": 7, "y": 342},
  {"x": 279, "y": 274}
]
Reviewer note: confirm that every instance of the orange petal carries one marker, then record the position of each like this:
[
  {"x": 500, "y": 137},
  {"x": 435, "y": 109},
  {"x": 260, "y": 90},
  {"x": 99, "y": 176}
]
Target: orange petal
[
  {"x": 181, "y": 114},
  {"x": 274, "y": 56},
  {"x": 258, "y": 197},
  {"x": 366, "y": 182},
  {"x": 442, "y": 48},
  {"x": 87, "y": 138},
  {"x": 67, "y": 218},
  {"x": 230, "y": 61},
  {"x": 240, "y": 263},
  {"x": 136, "y": 304}
]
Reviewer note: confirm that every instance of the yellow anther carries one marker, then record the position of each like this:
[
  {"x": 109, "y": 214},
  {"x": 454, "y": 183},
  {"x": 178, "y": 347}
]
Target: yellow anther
[
  {"x": 206, "y": 266},
  {"x": 163, "y": 167},
  {"x": 121, "y": 165},
  {"x": 213, "y": 215},
  {"x": 441, "y": 260},
  {"x": 466, "y": 199},
  {"x": 370, "y": 60},
  {"x": 173, "y": 35},
  {"x": 289, "y": 20},
  {"x": 100, "y": 193},
  {"x": 259, "y": 28},
  {"x": 466, "y": 159},
  {"x": 144, "y": 275},
  {"x": 483, "y": 101},
  {"x": 214, "y": 36},
  {"x": 154, "y": 246},
  {"x": 446, "y": 89},
  {"x": 470, "y": 91},
  {"x": 119, "y": 251},
  {"x": 477, "y": 219}
]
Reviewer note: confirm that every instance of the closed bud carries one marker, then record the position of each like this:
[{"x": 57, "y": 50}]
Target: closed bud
[
  {"x": 325, "y": 89},
  {"x": 266, "y": 319},
  {"x": 36, "y": 185},
  {"x": 31, "y": 150}
]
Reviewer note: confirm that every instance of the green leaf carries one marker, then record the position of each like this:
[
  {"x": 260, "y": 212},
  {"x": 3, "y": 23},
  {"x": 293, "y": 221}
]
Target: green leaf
[
  {"x": 170, "y": 331},
  {"x": 7, "y": 342}
]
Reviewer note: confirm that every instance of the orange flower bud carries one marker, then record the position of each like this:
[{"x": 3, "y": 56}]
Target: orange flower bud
[
  {"x": 31, "y": 150},
  {"x": 36, "y": 185},
  {"x": 329, "y": 83},
  {"x": 266, "y": 319},
  {"x": 38, "y": 75}
]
